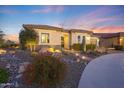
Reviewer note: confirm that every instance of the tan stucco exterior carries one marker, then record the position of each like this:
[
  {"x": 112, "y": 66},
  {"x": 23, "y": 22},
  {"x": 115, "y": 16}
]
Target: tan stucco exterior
[
  {"x": 54, "y": 37},
  {"x": 75, "y": 37},
  {"x": 95, "y": 41},
  {"x": 122, "y": 41},
  {"x": 57, "y": 37},
  {"x": 109, "y": 42}
]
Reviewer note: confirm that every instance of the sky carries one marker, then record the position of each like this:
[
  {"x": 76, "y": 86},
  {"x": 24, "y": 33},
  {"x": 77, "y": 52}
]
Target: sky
[{"x": 100, "y": 19}]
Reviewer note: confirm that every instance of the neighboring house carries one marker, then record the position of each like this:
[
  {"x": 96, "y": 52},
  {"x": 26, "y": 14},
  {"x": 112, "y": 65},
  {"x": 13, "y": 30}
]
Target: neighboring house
[
  {"x": 111, "y": 39},
  {"x": 50, "y": 36}
]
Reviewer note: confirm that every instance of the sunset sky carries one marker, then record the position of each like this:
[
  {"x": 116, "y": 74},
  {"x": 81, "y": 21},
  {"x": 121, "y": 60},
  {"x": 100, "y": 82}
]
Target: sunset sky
[{"x": 96, "y": 18}]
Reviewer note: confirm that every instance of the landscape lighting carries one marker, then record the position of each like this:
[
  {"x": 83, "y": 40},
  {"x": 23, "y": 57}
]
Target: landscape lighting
[{"x": 77, "y": 54}]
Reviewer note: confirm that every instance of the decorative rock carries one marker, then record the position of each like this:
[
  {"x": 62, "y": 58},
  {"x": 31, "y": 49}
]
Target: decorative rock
[
  {"x": 78, "y": 60},
  {"x": 85, "y": 63},
  {"x": 16, "y": 84},
  {"x": 26, "y": 64},
  {"x": 8, "y": 66},
  {"x": 3, "y": 85},
  {"x": 21, "y": 69},
  {"x": 18, "y": 76},
  {"x": 16, "y": 64}
]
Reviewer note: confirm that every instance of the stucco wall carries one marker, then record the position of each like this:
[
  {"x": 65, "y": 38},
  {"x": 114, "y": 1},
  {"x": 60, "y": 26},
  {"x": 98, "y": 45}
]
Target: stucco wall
[
  {"x": 122, "y": 41},
  {"x": 54, "y": 37},
  {"x": 109, "y": 42},
  {"x": 95, "y": 41},
  {"x": 75, "y": 37}
]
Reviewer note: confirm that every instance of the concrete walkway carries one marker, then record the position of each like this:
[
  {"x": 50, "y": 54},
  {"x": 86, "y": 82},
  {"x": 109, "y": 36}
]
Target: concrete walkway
[{"x": 104, "y": 72}]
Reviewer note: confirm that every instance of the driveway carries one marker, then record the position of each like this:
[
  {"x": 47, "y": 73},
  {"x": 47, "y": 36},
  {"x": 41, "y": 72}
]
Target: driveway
[{"x": 104, "y": 72}]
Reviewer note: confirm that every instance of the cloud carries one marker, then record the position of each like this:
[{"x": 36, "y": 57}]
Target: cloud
[
  {"x": 98, "y": 12},
  {"x": 109, "y": 29},
  {"x": 96, "y": 21},
  {"x": 93, "y": 19},
  {"x": 12, "y": 37},
  {"x": 87, "y": 18},
  {"x": 49, "y": 9},
  {"x": 7, "y": 11}
]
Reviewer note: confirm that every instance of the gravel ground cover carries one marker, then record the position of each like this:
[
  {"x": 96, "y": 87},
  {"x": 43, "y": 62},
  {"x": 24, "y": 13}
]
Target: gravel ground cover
[
  {"x": 17, "y": 62},
  {"x": 73, "y": 75}
]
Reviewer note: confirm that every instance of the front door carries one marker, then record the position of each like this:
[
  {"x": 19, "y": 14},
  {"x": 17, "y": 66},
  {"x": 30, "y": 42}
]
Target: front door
[{"x": 64, "y": 42}]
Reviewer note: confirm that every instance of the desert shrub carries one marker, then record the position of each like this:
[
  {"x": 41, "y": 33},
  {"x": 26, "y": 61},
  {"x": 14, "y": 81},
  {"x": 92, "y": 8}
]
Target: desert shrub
[
  {"x": 90, "y": 47},
  {"x": 4, "y": 75},
  {"x": 118, "y": 47},
  {"x": 45, "y": 71},
  {"x": 34, "y": 53},
  {"x": 79, "y": 47},
  {"x": 4, "y": 46},
  {"x": 76, "y": 47}
]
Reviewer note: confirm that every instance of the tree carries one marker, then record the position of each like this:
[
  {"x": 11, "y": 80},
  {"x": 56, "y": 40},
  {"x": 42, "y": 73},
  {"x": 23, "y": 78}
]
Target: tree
[
  {"x": 1, "y": 38},
  {"x": 27, "y": 39},
  {"x": 10, "y": 44}
]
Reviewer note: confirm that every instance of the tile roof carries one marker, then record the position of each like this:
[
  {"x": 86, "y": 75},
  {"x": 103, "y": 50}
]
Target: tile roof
[
  {"x": 109, "y": 35},
  {"x": 32, "y": 26},
  {"x": 81, "y": 31}
]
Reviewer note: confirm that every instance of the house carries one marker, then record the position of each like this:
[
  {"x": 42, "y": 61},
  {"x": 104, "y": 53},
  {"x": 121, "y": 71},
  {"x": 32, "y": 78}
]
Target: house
[
  {"x": 56, "y": 37},
  {"x": 111, "y": 39}
]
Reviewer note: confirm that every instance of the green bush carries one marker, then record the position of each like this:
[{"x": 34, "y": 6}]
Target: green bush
[
  {"x": 118, "y": 47},
  {"x": 79, "y": 47},
  {"x": 4, "y": 75},
  {"x": 76, "y": 47},
  {"x": 90, "y": 47},
  {"x": 45, "y": 71}
]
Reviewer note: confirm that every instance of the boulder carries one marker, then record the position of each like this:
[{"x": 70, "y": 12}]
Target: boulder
[
  {"x": 8, "y": 66},
  {"x": 23, "y": 66},
  {"x": 21, "y": 69},
  {"x": 18, "y": 76},
  {"x": 43, "y": 50},
  {"x": 4, "y": 85},
  {"x": 16, "y": 84}
]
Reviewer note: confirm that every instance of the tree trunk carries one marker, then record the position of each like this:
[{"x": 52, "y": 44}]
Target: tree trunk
[{"x": 30, "y": 47}]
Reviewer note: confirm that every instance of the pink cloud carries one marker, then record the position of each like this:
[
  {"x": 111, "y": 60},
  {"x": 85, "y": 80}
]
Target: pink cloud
[
  {"x": 103, "y": 10},
  {"x": 12, "y": 37},
  {"x": 90, "y": 23},
  {"x": 91, "y": 19},
  {"x": 95, "y": 21},
  {"x": 49, "y": 9},
  {"x": 109, "y": 29}
]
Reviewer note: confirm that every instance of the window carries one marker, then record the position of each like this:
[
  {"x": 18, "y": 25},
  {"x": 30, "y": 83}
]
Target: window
[
  {"x": 44, "y": 38},
  {"x": 79, "y": 38},
  {"x": 62, "y": 42}
]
